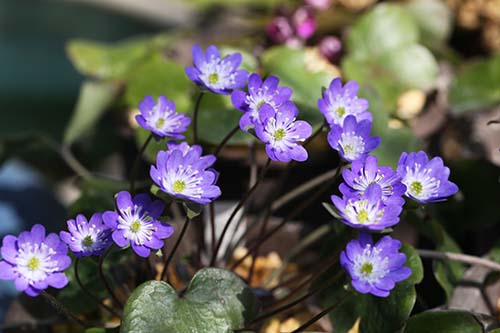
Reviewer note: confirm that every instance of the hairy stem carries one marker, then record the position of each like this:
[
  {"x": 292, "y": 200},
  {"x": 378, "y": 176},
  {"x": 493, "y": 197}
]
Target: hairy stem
[
  {"x": 195, "y": 117},
  {"x": 62, "y": 309},
  {"x": 137, "y": 161},
  {"x": 91, "y": 294},
  {"x": 224, "y": 141},
  {"x": 320, "y": 315},
  {"x": 105, "y": 281},
  {"x": 174, "y": 249},
  {"x": 247, "y": 195}
]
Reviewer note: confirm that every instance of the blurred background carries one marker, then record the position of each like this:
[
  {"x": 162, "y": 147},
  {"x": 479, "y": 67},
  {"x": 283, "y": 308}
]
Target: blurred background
[{"x": 73, "y": 72}]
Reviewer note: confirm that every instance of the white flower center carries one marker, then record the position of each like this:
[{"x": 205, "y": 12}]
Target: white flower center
[
  {"x": 369, "y": 267},
  {"x": 138, "y": 226},
  {"x": 352, "y": 145},
  {"x": 217, "y": 73},
  {"x": 184, "y": 180},
  {"x": 362, "y": 212},
  {"x": 34, "y": 261},
  {"x": 419, "y": 184}
]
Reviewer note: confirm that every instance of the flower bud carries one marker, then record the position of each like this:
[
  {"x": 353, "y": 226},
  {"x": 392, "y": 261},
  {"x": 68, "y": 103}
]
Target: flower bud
[
  {"x": 331, "y": 48},
  {"x": 319, "y": 4},
  {"x": 279, "y": 30},
  {"x": 304, "y": 22}
]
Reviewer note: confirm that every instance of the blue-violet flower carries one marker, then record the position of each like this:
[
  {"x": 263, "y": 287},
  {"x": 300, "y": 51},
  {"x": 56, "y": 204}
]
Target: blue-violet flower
[
  {"x": 214, "y": 73},
  {"x": 136, "y": 223},
  {"x": 426, "y": 181},
  {"x": 34, "y": 261},
  {"x": 183, "y": 173},
  {"x": 364, "y": 172},
  {"x": 374, "y": 269},
  {"x": 87, "y": 238},
  {"x": 353, "y": 140},
  {"x": 282, "y": 133},
  {"x": 367, "y": 211},
  {"x": 339, "y": 102},
  {"x": 161, "y": 119},
  {"x": 259, "y": 93}
]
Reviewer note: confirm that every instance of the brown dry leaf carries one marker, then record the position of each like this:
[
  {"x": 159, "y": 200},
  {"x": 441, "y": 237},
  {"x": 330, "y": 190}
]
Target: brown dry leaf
[
  {"x": 317, "y": 63},
  {"x": 264, "y": 268},
  {"x": 355, "y": 328},
  {"x": 410, "y": 103}
]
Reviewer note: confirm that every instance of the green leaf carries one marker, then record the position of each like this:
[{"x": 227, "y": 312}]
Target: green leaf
[
  {"x": 217, "y": 117},
  {"x": 332, "y": 210},
  {"x": 386, "y": 27},
  {"x": 215, "y": 301},
  {"x": 443, "y": 322},
  {"x": 394, "y": 140},
  {"x": 94, "y": 99},
  {"x": 192, "y": 209},
  {"x": 476, "y": 86},
  {"x": 112, "y": 61},
  {"x": 447, "y": 273},
  {"x": 434, "y": 19},
  {"x": 383, "y": 54},
  {"x": 157, "y": 76},
  {"x": 157, "y": 192},
  {"x": 381, "y": 315},
  {"x": 290, "y": 65}
]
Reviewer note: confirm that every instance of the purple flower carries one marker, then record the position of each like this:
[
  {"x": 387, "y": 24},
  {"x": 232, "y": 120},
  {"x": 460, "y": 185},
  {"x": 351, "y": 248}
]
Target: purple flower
[
  {"x": 426, "y": 181},
  {"x": 331, "y": 48},
  {"x": 367, "y": 211},
  {"x": 280, "y": 30},
  {"x": 34, "y": 261},
  {"x": 136, "y": 223},
  {"x": 183, "y": 173},
  {"x": 87, "y": 238},
  {"x": 214, "y": 73},
  {"x": 259, "y": 93},
  {"x": 353, "y": 140},
  {"x": 161, "y": 118},
  {"x": 365, "y": 172},
  {"x": 339, "y": 102},
  {"x": 374, "y": 269},
  {"x": 319, "y": 4},
  {"x": 304, "y": 22},
  {"x": 282, "y": 133}
]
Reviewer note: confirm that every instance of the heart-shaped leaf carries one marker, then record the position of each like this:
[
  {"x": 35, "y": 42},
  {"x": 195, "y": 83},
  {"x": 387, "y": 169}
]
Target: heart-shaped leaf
[
  {"x": 215, "y": 301},
  {"x": 381, "y": 315},
  {"x": 451, "y": 321}
]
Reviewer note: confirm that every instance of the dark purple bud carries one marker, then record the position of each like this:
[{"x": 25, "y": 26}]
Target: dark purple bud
[
  {"x": 319, "y": 4},
  {"x": 279, "y": 30},
  {"x": 331, "y": 48},
  {"x": 304, "y": 22}
]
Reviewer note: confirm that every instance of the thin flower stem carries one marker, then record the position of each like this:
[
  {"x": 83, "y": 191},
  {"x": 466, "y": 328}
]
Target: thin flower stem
[
  {"x": 292, "y": 215},
  {"x": 299, "y": 300},
  {"x": 195, "y": 117},
  {"x": 63, "y": 310},
  {"x": 174, "y": 249},
  {"x": 135, "y": 167},
  {"x": 320, "y": 315},
  {"x": 105, "y": 281},
  {"x": 314, "y": 135},
  {"x": 91, "y": 294},
  {"x": 226, "y": 139},
  {"x": 245, "y": 197},
  {"x": 303, "y": 188},
  {"x": 464, "y": 258},
  {"x": 211, "y": 207}
]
